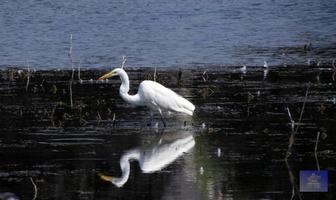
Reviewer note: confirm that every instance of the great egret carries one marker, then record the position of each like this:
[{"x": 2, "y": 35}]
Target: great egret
[
  {"x": 152, "y": 94},
  {"x": 152, "y": 159}
]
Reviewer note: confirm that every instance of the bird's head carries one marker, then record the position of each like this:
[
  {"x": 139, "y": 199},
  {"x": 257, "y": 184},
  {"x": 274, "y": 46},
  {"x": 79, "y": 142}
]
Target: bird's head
[
  {"x": 116, "y": 181},
  {"x": 112, "y": 73}
]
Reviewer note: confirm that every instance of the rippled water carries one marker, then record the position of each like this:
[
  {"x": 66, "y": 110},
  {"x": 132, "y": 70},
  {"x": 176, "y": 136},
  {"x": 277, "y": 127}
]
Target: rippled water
[
  {"x": 233, "y": 148},
  {"x": 166, "y": 33}
]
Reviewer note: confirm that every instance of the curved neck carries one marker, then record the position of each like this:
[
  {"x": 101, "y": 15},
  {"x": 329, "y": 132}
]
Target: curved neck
[
  {"x": 124, "y": 89},
  {"x": 125, "y": 85},
  {"x": 125, "y": 167}
]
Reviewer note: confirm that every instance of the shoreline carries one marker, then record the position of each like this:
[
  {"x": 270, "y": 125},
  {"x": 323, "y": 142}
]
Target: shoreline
[
  {"x": 54, "y": 93},
  {"x": 197, "y": 66}
]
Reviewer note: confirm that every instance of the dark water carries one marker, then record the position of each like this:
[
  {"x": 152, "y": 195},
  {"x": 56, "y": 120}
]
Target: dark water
[
  {"x": 166, "y": 33},
  {"x": 233, "y": 148}
]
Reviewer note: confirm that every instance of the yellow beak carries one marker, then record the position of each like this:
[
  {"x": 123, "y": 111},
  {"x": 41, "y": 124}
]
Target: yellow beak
[
  {"x": 108, "y": 75},
  {"x": 105, "y": 177}
]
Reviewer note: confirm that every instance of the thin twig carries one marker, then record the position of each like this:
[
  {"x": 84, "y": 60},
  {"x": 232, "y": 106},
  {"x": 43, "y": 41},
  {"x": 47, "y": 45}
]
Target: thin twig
[
  {"x": 302, "y": 109},
  {"x": 52, "y": 115},
  {"x": 70, "y": 87},
  {"x": 334, "y": 73},
  {"x": 113, "y": 120},
  {"x": 154, "y": 75},
  {"x": 293, "y": 193},
  {"x": 295, "y": 188},
  {"x": 315, "y": 152},
  {"x": 291, "y": 119},
  {"x": 179, "y": 76},
  {"x": 317, "y": 161},
  {"x": 124, "y": 59},
  {"x": 72, "y": 72},
  {"x": 212, "y": 91},
  {"x": 290, "y": 144},
  {"x": 28, "y": 76},
  {"x": 35, "y": 188},
  {"x": 98, "y": 118},
  {"x": 79, "y": 67},
  {"x": 205, "y": 78},
  {"x": 317, "y": 140},
  {"x": 292, "y": 136}
]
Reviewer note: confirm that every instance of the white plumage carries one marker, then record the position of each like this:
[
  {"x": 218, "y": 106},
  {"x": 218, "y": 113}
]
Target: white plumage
[
  {"x": 153, "y": 95},
  {"x": 152, "y": 159},
  {"x": 156, "y": 96}
]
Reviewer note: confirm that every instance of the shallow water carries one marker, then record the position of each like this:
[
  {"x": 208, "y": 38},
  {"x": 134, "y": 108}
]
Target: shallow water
[
  {"x": 235, "y": 149},
  {"x": 166, "y": 33}
]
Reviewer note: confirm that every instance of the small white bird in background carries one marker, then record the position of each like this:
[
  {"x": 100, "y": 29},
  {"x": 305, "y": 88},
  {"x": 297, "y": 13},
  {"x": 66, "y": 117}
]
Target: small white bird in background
[
  {"x": 243, "y": 69},
  {"x": 265, "y": 64},
  {"x": 152, "y": 94}
]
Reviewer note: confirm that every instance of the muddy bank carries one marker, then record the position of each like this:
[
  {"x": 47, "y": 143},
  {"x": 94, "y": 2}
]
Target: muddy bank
[{"x": 227, "y": 95}]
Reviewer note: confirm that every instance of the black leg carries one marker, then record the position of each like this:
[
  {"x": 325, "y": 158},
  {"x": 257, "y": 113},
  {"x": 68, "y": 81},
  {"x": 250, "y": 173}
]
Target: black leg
[
  {"x": 164, "y": 123},
  {"x": 150, "y": 119}
]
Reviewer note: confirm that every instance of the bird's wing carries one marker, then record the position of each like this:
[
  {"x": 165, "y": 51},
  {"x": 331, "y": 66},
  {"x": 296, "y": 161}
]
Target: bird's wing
[{"x": 157, "y": 96}]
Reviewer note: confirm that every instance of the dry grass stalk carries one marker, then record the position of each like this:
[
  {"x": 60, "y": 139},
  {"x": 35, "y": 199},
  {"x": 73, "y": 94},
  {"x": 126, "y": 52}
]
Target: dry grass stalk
[
  {"x": 205, "y": 76},
  {"x": 35, "y": 188},
  {"x": 292, "y": 136},
  {"x": 98, "y": 117},
  {"x": 72, "y": 71},
  {"x": 154, "y": 75},
  {"x": 113, "y": 120},
  {"x": 79, "y": 68},
  {"x": 124, "y": 59},
  {"x": 295, "y": 188},
  {"x": 28, "y": 76}
]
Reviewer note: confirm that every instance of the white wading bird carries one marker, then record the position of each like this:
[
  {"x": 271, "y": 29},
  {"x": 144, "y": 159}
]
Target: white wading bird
[
  {"x": 151, "y": 159},
  {"x": 153, "y": 95}
]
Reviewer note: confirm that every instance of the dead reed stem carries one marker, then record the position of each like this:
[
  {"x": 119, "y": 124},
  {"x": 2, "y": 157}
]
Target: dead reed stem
[
  {"x": 28, "y": 76},
  {"x": 79, "y": 68},
  {"x": 205, "y": 76},
  {"x": 124, "y": 59},
  {"x": 317, "y": 140},
  {"x": 114, "y": 121},
  {"x": 72, "y": 71},
  {"x": 315, "y": 150},
  {"x": 292, "y": 136},
  {"x": 98, "y": 118},
  {"x": 291, "y": 119},
  {"x": 35, "y": 188},
  {"x": 295, "y": 189},
  {"x": 302, "y": 109},
  {"x": 52, "y": 115},
  {"x": 334, "y": 73},
  {"x": 154, "y": 75}
]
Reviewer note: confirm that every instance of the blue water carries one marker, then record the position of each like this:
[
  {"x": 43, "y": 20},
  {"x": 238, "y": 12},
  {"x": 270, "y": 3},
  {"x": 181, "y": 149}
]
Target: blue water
[{"x": 165, "y": 32}]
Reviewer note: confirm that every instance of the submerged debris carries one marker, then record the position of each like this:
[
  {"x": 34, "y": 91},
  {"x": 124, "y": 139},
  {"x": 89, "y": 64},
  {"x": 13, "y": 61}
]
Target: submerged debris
[{"x": 201, "y": 170}]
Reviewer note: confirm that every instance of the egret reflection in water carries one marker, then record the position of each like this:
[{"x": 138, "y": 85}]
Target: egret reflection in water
[
  {"x": 8, "y": 196},
  {"x": 154, "y": 157}
]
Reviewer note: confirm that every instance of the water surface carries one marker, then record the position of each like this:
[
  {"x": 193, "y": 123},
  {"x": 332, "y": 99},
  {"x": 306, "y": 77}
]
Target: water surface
[{"x": 166, "y": 33}]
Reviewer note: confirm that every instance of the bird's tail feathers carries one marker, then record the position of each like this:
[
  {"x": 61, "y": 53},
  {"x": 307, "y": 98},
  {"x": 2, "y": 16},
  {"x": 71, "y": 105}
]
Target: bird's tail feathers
[{"x": 187, "y": 106}]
